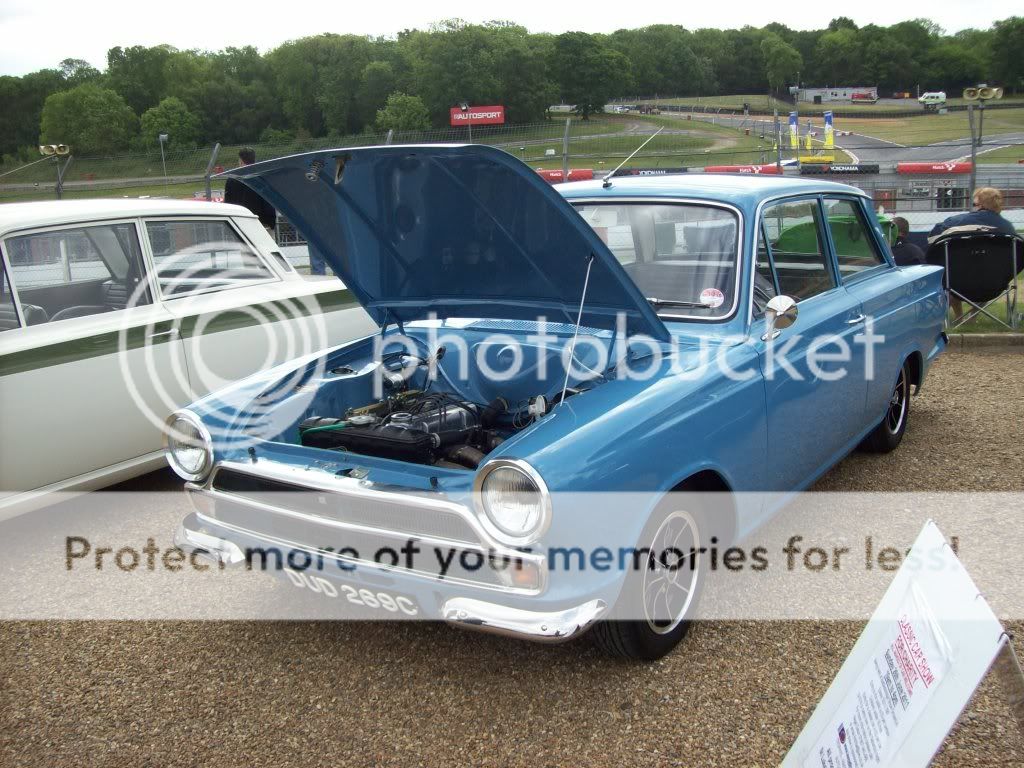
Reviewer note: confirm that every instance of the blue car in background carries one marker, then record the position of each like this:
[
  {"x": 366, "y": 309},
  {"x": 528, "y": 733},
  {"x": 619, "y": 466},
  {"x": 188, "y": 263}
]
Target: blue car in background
[{"x": 543, "y": 354}]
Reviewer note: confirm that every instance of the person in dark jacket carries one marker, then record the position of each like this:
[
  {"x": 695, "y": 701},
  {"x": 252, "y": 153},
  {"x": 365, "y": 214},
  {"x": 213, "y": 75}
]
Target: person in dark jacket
[
  {"x": 904, "y": 251},
  {"x": 238, "y": 193},
  {"x": 988, "y": 204}
]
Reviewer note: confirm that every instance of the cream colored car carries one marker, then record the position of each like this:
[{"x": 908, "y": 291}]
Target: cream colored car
[{"x": 115, "y": 313}]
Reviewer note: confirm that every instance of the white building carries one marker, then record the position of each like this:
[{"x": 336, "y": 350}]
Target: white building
[{"x": 841, "y": 93}]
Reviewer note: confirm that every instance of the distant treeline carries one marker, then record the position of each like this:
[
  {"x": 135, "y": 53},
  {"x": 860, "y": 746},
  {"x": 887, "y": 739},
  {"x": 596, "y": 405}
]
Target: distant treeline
[{"x": 343, "y": 84}]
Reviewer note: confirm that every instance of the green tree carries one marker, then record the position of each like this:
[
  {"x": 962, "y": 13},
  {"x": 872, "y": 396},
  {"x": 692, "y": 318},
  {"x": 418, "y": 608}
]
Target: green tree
[
  {"x": 91, "y": 119},
  {"x": 22, "y": 99},
  {"x": 1007, "y": 60},
  {"x": 402, "y": 112},
  {"x": 953, "y": 66},
  {"x": 138, "y": 74},
  {"x": 78, "y": 71},
  {"x": 589, "y": 72},
  {"x": 782, "y": 61},
  {"x": 172, "y": 117},
  {"x": 839, "y": 57},
  {"x": 376, "y": 84}
]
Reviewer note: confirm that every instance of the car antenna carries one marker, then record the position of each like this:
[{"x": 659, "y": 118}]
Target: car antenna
[
  {"x": 576, "y": 333},
  {"x": 607, "y": 180}
]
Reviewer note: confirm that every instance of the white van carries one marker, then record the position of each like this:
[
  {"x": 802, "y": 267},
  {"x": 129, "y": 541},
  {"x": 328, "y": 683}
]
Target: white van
[{"x": 932, "y": 100}]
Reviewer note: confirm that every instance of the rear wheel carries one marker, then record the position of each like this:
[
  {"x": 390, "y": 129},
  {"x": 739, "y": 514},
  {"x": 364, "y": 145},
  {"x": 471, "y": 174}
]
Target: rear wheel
[
  {"x": 661, "y": 594},
  {"x": 889, "y": 433}
]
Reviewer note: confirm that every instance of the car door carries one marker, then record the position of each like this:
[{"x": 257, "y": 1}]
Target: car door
[
  {"x": 814, "y": 402},
  {"x": 237, "y": 313},
  {"x": 869, "y": 276},
  {"x": 85, "y": 378}
]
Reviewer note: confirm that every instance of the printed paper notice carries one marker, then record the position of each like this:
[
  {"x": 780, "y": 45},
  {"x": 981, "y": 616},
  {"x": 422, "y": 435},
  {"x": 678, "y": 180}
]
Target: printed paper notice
[{"x": 889, "y": 694}]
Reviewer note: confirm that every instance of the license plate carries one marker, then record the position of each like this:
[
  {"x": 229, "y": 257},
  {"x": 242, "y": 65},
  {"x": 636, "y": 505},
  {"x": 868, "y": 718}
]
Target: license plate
[{"x": 363, "y": 597}]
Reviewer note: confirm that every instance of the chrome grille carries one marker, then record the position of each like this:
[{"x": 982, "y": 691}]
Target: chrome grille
[{"x": 370, "y": 513}]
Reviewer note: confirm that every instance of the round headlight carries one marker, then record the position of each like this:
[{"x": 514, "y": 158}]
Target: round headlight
[
  {"x": 189, "y": 447},
  {"x": 514, "y": 501}
]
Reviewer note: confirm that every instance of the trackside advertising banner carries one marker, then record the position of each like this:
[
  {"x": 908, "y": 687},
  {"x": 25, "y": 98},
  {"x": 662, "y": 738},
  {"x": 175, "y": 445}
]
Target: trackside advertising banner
[
  {"x": 755, "y": 169},
  {"x": 933, "y": 168},
  {"x": 493, "y": 115}
]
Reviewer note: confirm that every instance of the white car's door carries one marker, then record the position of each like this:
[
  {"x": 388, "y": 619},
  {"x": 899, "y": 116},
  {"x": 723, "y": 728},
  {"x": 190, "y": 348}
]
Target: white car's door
[
  {"x": 86, "y": 375},
  {"x": 240, "y": 309}
]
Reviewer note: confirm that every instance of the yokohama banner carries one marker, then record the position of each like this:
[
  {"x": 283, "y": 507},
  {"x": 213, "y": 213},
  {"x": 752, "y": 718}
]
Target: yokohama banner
[
  {"x": 859, "y": 168},
  {"x": 494, "y": 115},
  {"x": 933, "y": 168}
]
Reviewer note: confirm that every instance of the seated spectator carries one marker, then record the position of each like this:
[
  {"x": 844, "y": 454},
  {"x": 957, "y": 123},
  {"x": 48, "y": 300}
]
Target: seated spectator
[
  {"x": 988, "y": 204},
  {"x": 904, "y": 251}
]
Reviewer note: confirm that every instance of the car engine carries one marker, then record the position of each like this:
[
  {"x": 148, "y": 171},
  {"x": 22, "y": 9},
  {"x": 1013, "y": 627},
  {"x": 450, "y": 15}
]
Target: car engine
[{"x": 414, "y": 426}]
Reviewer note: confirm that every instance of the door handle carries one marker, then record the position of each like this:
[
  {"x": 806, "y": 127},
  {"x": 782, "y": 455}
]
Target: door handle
[
  {"x": 170, "y": 334},
  {"x": 855, "y": 320}
]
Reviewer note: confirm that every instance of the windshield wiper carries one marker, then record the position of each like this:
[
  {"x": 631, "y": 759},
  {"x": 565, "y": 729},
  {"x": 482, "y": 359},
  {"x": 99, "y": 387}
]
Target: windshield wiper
[{"x": 670, "y": 303}]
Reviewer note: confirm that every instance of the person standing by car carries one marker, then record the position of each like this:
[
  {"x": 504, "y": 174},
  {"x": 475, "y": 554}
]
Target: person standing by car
[
  {"x": 905, "y": 252},
  {"x": 237, "y": 193},
  {"x": 988, "y": 205}
]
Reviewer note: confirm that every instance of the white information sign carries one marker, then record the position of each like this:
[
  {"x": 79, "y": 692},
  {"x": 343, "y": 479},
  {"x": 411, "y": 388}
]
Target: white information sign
[{"x": 913, "y": 670}]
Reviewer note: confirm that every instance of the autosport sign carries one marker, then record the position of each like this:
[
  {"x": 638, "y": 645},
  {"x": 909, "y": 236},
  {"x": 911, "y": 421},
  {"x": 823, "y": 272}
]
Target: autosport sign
[
  {"x": 494, "y": 115},
  {"x": 933, "y": 168}
]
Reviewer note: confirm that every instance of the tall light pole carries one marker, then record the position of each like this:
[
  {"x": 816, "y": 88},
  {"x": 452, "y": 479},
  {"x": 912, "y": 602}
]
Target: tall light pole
[
  {"x": 58, "y": 151},
  {"x": 979, "y": 93},
  {"x": 469, "y": 119},
  {"x": 163, "y": 161}
]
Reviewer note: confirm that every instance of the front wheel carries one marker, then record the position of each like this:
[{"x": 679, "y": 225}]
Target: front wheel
[
  {"x": 889, "y": 433},
  {"x": 653, "y": 613}
]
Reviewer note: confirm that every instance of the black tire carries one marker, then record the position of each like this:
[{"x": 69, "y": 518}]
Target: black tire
[
  {"x": 648, "y": 640},
  {"x": 889, "y": 433}
]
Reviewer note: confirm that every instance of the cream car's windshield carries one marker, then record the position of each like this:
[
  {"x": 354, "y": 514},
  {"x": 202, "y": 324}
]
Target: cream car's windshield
[{"x": 683, "y": 256}]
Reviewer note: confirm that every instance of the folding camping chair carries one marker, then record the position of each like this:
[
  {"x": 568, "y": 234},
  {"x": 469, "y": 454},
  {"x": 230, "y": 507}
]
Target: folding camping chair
[{"x": 981, "y": 268}]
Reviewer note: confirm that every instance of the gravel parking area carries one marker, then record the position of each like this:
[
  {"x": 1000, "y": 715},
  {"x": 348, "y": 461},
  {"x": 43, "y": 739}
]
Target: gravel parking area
[{"x": 734, "y": 693}]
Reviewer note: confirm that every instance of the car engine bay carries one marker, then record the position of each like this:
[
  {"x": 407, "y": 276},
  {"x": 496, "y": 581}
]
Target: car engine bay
[
  {"x": 420, "y": 427},
  {"x": 417, "y": 419}
]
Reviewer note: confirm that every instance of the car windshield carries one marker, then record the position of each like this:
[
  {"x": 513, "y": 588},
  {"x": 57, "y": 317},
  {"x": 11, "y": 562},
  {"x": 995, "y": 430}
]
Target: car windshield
[{"x": 683, "y": 256}]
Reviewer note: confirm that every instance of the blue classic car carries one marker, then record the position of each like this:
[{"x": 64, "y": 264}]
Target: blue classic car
[{"x": 543, "y": 355}]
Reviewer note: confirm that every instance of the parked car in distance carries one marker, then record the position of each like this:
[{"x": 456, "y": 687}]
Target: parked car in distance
[
  {"x": 113, "y": 313},
  {"x": 469, "y": 242}
]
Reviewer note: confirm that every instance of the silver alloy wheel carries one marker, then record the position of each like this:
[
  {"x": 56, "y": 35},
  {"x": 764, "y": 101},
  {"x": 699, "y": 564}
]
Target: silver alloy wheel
[
  {"x": 671, "y": 572},
  {"x": 898, "y": 405}
]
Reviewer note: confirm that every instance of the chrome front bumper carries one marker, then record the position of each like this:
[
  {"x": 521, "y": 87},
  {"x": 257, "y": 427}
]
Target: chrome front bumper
[
  {"x": 552, "y": 627},
  {"x": 467, "y": 613}
]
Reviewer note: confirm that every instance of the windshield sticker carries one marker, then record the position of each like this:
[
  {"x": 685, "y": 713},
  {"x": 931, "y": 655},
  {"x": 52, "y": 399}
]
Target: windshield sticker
[{"x": 712, "y": 297}]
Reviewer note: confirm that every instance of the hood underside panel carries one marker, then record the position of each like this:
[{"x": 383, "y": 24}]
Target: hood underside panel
[{"x": 450, "y": 231}]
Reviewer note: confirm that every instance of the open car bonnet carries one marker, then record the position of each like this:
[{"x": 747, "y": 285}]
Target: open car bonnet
[{"x": 450, "y": 231}]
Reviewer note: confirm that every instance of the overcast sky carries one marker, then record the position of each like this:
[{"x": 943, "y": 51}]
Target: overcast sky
[{"x": 39, "y": 34}]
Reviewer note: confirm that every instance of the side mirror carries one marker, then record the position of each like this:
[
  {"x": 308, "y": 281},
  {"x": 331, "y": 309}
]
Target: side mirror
[{"x": 780, "y": 313}]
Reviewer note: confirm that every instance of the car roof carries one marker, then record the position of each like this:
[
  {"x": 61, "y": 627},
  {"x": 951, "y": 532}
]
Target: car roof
[
  {"x": 56, "y": 212},
  {"x": 743, "y": 189}
]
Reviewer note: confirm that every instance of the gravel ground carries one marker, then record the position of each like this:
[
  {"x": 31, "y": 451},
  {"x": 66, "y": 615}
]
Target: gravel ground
[{"x": 734, "y": 693}]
